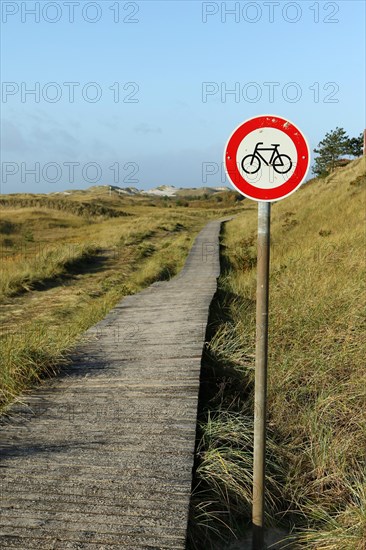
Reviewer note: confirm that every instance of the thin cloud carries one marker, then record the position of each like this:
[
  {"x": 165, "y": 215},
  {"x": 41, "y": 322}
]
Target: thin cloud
[
  {"x": 145, "y": 128},
  {"x": 12, "y": 139}
]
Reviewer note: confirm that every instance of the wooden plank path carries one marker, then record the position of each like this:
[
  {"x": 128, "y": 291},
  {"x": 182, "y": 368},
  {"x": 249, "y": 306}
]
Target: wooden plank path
[{"x": 101, "y": 457}]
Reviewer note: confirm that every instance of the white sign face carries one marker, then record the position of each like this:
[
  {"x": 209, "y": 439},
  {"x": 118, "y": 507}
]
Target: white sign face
[{"x": 266, "y": 158}]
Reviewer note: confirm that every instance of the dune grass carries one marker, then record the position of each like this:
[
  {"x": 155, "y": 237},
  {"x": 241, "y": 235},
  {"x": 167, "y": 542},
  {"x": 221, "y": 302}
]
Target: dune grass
[{"x": 317, "y": 379}]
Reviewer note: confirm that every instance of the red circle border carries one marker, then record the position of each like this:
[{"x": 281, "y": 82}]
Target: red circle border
[{"x": 258, "y": 193}]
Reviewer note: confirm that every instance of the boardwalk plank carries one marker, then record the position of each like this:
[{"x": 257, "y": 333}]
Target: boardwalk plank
[{"x": 102, "y": 456}]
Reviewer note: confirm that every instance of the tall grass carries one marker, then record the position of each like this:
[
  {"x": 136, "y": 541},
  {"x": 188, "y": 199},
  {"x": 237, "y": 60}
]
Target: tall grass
[
  {"x": 23, "y": 269},
  {"x": 317, "y": 380},
  {"x": 88, "y": 209}
]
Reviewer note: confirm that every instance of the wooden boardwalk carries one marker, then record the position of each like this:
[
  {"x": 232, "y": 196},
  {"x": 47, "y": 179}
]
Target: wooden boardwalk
[{"x": 101, "y": 457}]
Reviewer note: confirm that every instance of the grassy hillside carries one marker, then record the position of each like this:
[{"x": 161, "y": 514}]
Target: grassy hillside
[
  {"x": 67, "y": 261},
  {"x": 317, "y": 378}
]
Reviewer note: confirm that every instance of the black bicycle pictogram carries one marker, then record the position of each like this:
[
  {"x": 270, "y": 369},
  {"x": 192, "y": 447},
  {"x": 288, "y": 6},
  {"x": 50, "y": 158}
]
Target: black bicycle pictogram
[{"x": 280, "y": 163}]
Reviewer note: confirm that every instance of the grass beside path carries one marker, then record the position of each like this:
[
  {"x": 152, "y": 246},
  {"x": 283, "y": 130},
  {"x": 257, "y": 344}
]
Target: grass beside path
[{"x": 317, "y": 378}]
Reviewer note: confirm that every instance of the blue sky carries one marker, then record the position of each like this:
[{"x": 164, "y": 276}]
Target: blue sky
[{"x": 172, "y": 63}]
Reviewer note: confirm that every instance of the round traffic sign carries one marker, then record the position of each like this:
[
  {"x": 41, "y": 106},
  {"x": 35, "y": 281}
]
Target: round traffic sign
[{"x": 266, "y": 158}]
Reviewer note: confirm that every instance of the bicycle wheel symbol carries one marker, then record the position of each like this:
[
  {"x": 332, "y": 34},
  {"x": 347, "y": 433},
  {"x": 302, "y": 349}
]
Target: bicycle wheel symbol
[
  {"x": 251, "y": 164},
  {"x": 282, "y": 164}
]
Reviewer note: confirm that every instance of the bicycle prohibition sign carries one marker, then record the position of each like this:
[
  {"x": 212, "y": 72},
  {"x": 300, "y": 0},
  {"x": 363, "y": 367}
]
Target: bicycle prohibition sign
[
  {"x": 280, "y": 163},
  {"x": 244, "y": 149}
]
